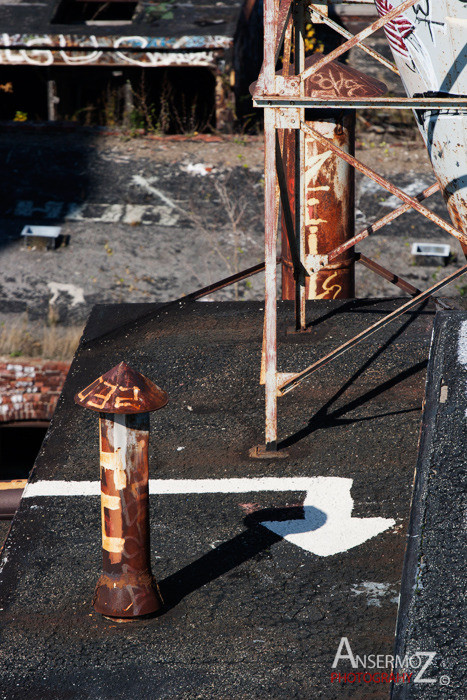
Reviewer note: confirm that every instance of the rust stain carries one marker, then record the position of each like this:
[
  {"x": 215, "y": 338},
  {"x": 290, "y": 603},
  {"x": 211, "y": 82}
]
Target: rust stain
[
  {"x": 13, "y": 484},
  {"x": 126, "y": 587}
]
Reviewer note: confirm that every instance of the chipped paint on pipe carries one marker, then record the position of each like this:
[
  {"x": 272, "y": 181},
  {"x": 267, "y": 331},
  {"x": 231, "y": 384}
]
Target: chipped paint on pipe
[
  {"x": 124, "y": 398},
  {"x": 414, "y": 203},
  {"x": 329, "y": 208},
  {"x": 126, "y": 587}
]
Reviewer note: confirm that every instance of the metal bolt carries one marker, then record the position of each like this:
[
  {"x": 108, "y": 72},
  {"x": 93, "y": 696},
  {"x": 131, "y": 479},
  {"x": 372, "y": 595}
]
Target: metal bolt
[{"x": 124, "y": 398}]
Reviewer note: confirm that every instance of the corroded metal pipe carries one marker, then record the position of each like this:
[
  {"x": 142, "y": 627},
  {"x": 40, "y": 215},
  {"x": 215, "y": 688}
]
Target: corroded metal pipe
[
  {"x": 124, "y": 398},
  {"x": 323, "y": 184},
  {"x": 329, "y": 207}
]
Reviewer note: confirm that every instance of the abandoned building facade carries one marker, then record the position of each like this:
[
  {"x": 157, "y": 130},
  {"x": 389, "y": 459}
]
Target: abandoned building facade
[{"x": 115, "y": 62}]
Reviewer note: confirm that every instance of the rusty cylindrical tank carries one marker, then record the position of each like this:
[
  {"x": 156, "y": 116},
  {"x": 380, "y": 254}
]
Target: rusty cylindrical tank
[
  {"x": 329, "y": 182},
  {"x": 329, "y": 206},
  {"x": 123, "y": 397}
]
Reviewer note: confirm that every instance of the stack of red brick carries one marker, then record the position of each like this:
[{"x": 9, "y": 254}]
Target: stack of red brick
[{"x": 29, "y": 389}]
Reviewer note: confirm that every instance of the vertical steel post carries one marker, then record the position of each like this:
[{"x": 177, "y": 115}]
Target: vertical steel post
[
  {"x": 270, "y": 323},
  {"x": 123, "y": 397},
  {"x": 299, "y": 57},
  {"x": 270, "y": 230}
]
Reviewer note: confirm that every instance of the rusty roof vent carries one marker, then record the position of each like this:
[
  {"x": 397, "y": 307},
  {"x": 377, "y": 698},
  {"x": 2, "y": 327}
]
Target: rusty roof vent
[
  {"x": 122, "y": 390},
  {"x": 336, "y": 80}
]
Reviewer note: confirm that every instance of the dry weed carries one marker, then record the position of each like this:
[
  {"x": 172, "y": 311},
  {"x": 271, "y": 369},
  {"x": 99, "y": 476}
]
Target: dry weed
[{"x": 20, "y": 338}]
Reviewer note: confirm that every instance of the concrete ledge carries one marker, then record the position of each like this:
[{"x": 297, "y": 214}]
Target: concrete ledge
[{"x": 431, "y": 614}]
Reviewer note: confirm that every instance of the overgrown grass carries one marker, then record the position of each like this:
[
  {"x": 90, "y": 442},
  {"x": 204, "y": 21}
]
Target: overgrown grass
[{"x": 20, "y": 338}]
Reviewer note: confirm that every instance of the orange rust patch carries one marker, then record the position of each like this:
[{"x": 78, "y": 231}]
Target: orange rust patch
[{"x": 13, "y": 484}]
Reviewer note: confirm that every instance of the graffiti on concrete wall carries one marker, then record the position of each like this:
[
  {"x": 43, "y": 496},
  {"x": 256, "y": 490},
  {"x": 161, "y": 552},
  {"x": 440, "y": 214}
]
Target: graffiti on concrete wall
[{"x": 123, "y": 50}]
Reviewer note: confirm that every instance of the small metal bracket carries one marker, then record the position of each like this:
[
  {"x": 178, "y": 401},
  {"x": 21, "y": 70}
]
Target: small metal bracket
[
  {"x": 288, "y": 86},
  {"x": 282, "y": 377},
  {"x": 288, "y": 118},
  {"x": 323, "y": 8},
  {"x": 261, "y": 452}
]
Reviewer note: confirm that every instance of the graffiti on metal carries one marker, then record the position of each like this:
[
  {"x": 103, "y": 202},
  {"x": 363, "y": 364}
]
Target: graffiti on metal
[
  {"x": 397, "y": 30},
  {"x": 122, "y": 390},
  {"x": 428, "y": 41},
  {"x": 45, "y": 50},
  {"x": 435, "y": 62},
  {"x": 339, "y": 80}
]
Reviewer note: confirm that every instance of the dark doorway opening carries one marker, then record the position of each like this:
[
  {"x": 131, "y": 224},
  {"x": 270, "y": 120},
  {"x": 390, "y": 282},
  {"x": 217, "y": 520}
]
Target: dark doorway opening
[
  {"x": 19, "y": 446},
  {"x": 162, "y": 100},
  {"x": 28, "y": 94},
  {"x": 80, "y": 11}
]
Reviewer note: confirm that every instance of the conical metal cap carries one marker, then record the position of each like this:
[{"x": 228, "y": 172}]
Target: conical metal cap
[
  {"x": 340, "y": 81},
  {"x": 336, "y": 80},
  {"x": 122, "y": 390}
]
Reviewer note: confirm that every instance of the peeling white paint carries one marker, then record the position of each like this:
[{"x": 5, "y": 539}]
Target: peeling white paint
[
  {"x": 101, "y": 212},
  {"x": 197, "y": 169},
  {"x": 147, "y": 186}
]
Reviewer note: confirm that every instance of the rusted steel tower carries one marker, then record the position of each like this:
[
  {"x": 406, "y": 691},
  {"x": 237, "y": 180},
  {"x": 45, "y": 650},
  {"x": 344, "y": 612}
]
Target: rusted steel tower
[{"x": 286, "y": 98}]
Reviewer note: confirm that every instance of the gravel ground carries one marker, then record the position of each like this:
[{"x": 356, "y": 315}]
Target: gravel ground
[{"x": 151, "y": 220}]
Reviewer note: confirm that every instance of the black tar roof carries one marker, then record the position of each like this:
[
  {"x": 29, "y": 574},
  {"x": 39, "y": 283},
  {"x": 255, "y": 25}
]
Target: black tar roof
[
  {"x": 195, "y": 18},
  {"x": 249, "y": 614}
]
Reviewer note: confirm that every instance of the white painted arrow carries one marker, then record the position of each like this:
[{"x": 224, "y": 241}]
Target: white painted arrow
[{"x": 326, "y": 529}]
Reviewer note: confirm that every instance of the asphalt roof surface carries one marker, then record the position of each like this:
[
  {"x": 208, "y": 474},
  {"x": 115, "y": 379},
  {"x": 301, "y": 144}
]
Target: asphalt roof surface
[
  {"x": 197, "y": 17},
  {"x": 249, "y": 614}
]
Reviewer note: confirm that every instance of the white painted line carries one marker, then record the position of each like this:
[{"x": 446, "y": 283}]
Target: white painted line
[
  {"x": 62, "y": 488},
  {"x": 327, "y": 527},
  {"x": 162, "y": 487}
]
